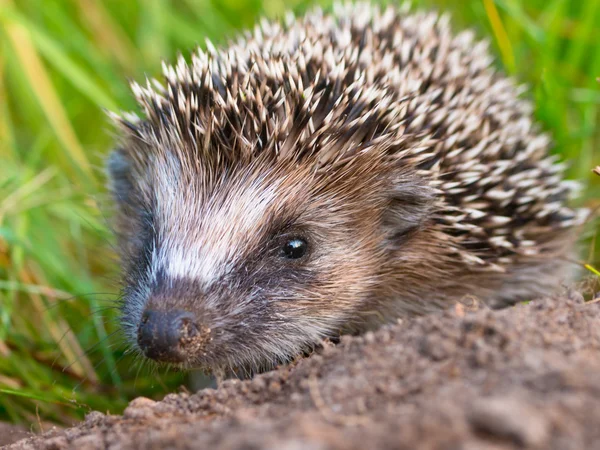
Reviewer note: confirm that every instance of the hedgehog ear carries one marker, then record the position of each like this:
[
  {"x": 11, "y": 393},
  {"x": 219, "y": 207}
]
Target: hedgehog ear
[
  {"x": 118, "y": 167},
  {"x": 409, "y": 206}
]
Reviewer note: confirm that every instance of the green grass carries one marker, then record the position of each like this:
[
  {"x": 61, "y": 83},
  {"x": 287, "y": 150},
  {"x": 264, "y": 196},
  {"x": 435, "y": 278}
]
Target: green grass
[{"x": 63, "y": 61}]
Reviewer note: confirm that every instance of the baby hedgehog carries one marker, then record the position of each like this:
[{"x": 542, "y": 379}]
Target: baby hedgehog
[{"x": 324, "y": 176}]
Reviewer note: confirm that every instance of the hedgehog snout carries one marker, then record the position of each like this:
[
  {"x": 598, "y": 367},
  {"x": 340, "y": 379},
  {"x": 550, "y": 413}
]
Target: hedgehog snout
[{"x": 171, "y": 336}]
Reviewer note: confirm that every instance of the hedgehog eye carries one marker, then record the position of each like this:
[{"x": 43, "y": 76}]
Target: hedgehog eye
[{"x": 294, "y": 248}]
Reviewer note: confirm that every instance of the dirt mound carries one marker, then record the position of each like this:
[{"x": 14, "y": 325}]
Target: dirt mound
[{"x": 524, "y": 377}]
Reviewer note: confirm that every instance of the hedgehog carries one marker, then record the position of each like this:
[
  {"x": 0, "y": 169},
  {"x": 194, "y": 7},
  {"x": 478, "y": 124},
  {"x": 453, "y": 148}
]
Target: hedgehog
[{"x": 324, "y": 175}]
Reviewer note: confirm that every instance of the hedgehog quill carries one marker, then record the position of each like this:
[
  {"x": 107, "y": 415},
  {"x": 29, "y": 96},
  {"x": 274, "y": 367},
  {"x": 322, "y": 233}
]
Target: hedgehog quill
[{"x": 325, "y": 175}]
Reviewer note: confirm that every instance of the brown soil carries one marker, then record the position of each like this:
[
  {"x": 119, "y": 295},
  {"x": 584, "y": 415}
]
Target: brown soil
[
  {"x": 11, "y": 433},
  {"x": 524, "y": 377}
]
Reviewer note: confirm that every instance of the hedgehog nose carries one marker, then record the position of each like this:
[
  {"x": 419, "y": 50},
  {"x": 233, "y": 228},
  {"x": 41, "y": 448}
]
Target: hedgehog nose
[{"x": 167, "y": 336}]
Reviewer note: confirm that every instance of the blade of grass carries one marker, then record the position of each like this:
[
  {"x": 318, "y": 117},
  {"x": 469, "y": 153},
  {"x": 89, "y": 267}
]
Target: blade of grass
[
  {"x": 29, "y": 395},
  {"x": 215, "y": 23},
  {"x": 7, "y": 138},
  {"x": 515, "y": 10},
  {"x": 53, "y": 53},
  {"x": 25, "y": 189},
  {"x": 502, "y": 38},
  {"x": 152, "y": 31},
  {"x": 591, "y": 269},
  {"x": 107, "y": 33},
  {"x": 42, "y": 87},
  {"x": 589, "y": 19},
  {"x": 184, "y": 31}
]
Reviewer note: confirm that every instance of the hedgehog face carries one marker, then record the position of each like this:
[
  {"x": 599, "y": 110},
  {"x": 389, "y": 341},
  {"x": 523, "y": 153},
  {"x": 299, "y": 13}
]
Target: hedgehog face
[{"x": 250, "y": 269}]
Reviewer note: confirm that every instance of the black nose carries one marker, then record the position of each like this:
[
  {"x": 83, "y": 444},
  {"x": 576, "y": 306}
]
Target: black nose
[{"x": 167, "y": 336}]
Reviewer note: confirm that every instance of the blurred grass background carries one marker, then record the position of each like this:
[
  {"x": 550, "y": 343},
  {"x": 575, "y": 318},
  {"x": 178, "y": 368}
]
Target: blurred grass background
[{"x": 63, "y": 61}]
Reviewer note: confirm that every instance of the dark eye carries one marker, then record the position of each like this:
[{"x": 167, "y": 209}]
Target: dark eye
[{"x": 294, "y": 248}]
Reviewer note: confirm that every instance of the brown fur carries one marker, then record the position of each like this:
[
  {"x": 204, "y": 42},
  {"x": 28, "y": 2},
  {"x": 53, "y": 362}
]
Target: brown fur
[{"x": 411, "y": 168}]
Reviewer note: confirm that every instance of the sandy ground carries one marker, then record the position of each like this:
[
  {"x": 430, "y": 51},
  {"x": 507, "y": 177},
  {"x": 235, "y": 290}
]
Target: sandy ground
[
  {"x": 11, "y": 433},
  {"x": 524, "y": 377}
]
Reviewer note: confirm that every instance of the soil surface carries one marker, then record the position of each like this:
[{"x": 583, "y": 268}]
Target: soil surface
[
  {"x": 524, "y": 377},
  {"x": 11, "y": 433}
]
